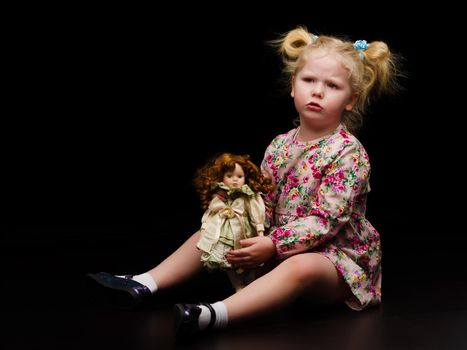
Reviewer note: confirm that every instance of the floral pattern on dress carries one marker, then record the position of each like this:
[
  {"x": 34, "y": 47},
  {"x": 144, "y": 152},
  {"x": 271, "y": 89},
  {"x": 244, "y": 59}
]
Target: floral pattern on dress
[{"x": 319, "y": 205}]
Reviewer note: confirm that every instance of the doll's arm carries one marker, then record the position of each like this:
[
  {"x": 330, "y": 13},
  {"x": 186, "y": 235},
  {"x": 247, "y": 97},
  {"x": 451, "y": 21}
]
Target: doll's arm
[{"x": 256, "y": 211}]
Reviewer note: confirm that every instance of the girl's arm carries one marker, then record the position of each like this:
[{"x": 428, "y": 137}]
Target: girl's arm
[{"x": 340, "y": 189}]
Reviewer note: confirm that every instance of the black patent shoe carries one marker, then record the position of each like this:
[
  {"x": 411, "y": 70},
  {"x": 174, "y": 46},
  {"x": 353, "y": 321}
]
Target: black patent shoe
[
  {"x": 121, "y": 292},
  {"x": 186, "y": 323}
]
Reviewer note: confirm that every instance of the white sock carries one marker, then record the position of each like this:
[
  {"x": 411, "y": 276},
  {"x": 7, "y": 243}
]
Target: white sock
[
  {"x": 146, "y": 280},
  {"x": 221, "y": 316},
  {"x": 204, "y": 317}
]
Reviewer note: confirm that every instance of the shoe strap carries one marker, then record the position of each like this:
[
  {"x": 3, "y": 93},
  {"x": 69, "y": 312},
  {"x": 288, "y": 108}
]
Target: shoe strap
[{"x": 213, "y": 315}]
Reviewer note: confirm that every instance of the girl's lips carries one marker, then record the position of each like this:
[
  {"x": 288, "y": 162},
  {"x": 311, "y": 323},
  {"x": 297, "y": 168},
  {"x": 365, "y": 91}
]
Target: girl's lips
[{"x": 313, "y": 106}]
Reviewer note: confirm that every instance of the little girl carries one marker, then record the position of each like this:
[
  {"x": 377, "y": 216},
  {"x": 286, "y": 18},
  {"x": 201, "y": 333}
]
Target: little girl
[
  {"x": 319, "y": 245},
  {"x": 236, "y": 210}
]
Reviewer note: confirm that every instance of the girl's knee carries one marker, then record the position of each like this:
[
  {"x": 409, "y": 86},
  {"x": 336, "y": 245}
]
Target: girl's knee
[{"x": 307, "y": 268}]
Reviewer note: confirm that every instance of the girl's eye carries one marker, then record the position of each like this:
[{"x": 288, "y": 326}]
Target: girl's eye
[
  {"x": 332, "y": 86},
  {"x": 308, "y": 80}
]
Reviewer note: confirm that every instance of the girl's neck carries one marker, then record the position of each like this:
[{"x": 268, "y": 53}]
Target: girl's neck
[{"x": 306, "y": 134}]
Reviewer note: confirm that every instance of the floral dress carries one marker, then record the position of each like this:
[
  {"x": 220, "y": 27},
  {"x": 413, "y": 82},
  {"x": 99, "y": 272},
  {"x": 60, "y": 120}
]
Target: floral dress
[
  {"x": 319, "y": 206},
  {"x": 225, "y": 222}
]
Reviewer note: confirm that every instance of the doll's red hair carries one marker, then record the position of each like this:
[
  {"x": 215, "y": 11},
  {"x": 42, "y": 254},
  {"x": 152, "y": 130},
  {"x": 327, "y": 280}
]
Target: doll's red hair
[{"x": 213, "y": 171}]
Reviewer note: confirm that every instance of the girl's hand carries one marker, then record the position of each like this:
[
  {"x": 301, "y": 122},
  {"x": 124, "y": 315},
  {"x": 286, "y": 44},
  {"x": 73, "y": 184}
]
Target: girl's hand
[{"x": 253, "y": 253}]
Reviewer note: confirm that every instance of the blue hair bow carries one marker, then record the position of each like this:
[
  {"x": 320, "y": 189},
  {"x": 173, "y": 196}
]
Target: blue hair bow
[{"x": 360, "y": 45}]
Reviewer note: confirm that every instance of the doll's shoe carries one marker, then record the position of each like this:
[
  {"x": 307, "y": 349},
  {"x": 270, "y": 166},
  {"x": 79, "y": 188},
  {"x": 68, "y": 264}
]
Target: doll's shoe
[
  {"x": 121, "y": 292},
  {"x": 186, "y": 319}
]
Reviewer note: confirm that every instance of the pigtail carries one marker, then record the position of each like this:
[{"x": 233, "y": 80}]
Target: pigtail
[
  {"x": 291, "y": 46},
  {"x": 377, "y": 75},
  {"x": 380, "y": 71}
]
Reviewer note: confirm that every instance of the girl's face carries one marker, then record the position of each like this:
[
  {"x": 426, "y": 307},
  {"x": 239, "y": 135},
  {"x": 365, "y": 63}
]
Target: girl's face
[
  {"x": 235, "y": 178},
  {"x": 321, "y": 91}
]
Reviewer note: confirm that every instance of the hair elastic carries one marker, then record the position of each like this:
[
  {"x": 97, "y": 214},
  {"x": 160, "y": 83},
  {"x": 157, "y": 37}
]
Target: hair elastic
[{"x": 361, "y": 45}]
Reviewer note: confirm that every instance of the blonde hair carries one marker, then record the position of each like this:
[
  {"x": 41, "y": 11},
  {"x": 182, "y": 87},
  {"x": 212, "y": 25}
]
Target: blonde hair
[{"x": 371, "y": 71}]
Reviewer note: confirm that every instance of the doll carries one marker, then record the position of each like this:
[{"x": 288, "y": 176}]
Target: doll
[{"x": 230, "y": 188}]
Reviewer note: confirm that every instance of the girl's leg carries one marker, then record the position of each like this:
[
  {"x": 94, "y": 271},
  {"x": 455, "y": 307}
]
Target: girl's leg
[
  {"x": 180, "y": 265},
  {"x": 130, "y": 292},
  {"x": 307, "y": 274}
]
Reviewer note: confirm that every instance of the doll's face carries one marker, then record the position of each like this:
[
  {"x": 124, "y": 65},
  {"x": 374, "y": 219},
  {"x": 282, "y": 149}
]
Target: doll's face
[{"x": 235, "y": 178}]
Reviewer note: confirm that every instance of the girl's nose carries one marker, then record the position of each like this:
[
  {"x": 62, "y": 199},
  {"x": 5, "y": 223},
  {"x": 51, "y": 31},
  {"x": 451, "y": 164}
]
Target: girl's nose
[{"x": 317, "y": 91}]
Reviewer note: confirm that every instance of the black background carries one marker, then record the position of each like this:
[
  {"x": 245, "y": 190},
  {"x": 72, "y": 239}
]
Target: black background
[{"x": 109, "y": 111}]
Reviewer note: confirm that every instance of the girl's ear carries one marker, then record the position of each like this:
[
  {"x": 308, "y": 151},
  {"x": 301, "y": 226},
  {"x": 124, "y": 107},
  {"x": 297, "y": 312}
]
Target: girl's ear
[
  {"x": 292, "y": 90},
  {"x": 351, "y": 103}
]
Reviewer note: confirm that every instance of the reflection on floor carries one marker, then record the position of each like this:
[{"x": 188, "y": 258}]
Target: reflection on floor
[{"x": 51, "y": 311}]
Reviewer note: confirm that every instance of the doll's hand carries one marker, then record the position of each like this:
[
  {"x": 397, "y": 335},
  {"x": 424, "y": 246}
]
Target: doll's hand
[{"x": 253, "y": 253}]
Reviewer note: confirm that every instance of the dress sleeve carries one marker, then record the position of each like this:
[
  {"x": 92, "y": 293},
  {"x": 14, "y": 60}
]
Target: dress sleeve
[{"x": 344, "y": 181}]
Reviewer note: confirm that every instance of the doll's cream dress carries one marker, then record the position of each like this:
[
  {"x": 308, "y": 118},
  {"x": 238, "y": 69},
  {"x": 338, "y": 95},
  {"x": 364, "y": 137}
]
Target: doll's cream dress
[{"x": 241, "y": 215}]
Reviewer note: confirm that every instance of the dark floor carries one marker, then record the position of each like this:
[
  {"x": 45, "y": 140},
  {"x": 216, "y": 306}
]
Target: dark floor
[{"x": 423, "y": 310}]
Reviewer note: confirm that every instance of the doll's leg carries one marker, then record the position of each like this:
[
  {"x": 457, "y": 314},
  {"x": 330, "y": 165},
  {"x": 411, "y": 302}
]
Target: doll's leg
[
  {"x": 236, "y": 280},
  {"x": 180, "y": 265},
  {"x": 249, "y": 276},
  {"x": 307, "y": 274},
  {"x": 240, "y": 280}
]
